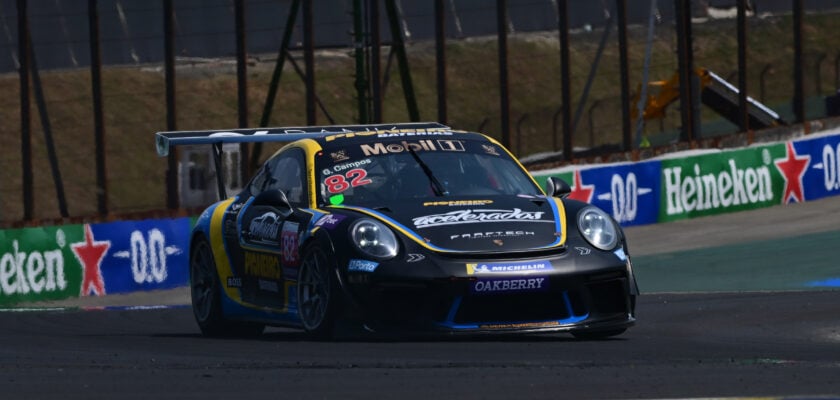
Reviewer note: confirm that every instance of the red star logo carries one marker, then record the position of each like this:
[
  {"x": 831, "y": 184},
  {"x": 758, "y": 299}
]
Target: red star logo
[
  {"x": 580, "y": 191},
  {"x": 793, "y": 169},
  {"x": 90, "y": 254}
]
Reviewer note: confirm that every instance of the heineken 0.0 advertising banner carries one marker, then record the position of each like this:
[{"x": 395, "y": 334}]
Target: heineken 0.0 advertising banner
[
  {"x": 39, "y": 264},
  {"x": 817, "y": 162},
  {"x": 690, "y": 185},
  {"x": 52, "y": 263},
  {"x": 721, "y": 182},
  {"x": 629, "y": 192}
]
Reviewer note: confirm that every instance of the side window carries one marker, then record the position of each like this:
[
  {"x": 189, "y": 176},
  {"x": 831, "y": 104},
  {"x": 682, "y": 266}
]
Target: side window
[
  {"x": 258, "y": 181},
  {"x": 287, "y": 173}
]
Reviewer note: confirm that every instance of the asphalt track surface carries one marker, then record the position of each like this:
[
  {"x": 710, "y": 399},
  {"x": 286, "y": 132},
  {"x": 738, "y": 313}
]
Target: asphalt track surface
[{"x": 688, "y": 343}]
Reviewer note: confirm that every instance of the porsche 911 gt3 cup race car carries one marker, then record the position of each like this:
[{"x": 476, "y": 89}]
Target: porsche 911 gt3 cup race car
[{"x": 402, "y": 228}]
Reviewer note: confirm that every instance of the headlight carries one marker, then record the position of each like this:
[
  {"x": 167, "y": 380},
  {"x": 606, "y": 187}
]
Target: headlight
[
  {"x": 597, "y": 227},
  {"x": 373, "y": 238}
]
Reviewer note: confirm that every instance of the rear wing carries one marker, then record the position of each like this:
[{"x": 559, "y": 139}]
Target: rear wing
[{"x": 164, "y": 140}]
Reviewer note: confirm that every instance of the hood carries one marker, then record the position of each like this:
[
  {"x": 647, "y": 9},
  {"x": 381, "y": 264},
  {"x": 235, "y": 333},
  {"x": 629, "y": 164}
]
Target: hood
[{"x": 492, "y": 224}]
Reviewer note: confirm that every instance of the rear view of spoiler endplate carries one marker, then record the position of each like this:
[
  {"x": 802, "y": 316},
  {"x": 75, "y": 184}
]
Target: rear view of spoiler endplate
[{"x": 216, "y": 138}]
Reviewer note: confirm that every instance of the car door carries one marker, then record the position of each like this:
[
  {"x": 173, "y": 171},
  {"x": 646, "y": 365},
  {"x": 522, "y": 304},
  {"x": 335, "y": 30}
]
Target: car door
[{"x": 270, "y": 225}]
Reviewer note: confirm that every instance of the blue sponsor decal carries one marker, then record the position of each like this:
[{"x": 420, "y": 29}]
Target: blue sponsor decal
[
  {"x": 362, "y": 266},
  {"x": 619, "y": 189},
  {"x": 500, "y": 268},
  {"x": 144, "y": 255},
  {"x": 330, "y": 221},
  {"x": 507, "y": 285},
  {"x": 811, "y": 169}
]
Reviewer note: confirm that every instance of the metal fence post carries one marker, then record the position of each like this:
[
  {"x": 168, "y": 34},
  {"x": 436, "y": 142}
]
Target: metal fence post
[
  {"x": 25, "y": 112},
  {"x": 309, "y": 61},
  {"x": 98, "y": 118},
  {"x": 172, "y": 195},
  {"x": 798, "y": 71},
  {"x": 743, "y": 113},
  {"x": 440, "y": 59},
  {"x": 504, "y": 99},
  {"x": 565, "y": 78},
  {"x": 624, "y": 71},
  {"x": 241, "y": 84}
]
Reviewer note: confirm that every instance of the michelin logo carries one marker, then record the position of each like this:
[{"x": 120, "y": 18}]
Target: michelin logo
[{"x": 496, "y": 268}]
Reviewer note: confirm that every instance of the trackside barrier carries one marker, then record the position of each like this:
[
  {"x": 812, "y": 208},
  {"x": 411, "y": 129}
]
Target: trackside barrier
[
  {"x": 60, "y": 262},
  {"x": 708, "y": 182}
]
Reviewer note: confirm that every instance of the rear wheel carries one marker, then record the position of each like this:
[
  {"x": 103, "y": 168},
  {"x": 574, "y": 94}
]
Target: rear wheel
[
  {"x": 205, "y": 291},
  {"x": 316, "y": 292}
]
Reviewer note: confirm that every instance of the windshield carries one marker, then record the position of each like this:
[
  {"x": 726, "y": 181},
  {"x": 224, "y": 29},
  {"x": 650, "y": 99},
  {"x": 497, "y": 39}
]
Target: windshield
[{"x": 377, "y": 173}]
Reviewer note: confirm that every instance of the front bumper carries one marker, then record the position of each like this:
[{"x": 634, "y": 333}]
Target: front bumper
[{"x": 589, "y": 293}]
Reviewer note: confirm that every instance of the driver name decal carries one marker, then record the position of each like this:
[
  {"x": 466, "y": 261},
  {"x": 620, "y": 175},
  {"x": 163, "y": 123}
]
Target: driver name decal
[
  {"x": 346, "y": 166},
  {"x": 478, "y": 216}
]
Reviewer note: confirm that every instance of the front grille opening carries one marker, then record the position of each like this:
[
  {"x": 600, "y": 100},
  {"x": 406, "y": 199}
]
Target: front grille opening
[
  {"x": 520, "y": 307},
  {"x": 609, "y": 297},
  {"x": 398, "y": 305}
]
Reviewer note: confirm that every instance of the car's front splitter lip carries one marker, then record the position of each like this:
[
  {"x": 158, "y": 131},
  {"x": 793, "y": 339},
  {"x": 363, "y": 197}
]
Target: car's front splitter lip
[{"x": 550, "y": 326}]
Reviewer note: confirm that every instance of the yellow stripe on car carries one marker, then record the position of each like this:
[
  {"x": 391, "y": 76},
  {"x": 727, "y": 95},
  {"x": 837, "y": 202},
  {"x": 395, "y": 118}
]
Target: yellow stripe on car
[{"x": 217, "y": 244}]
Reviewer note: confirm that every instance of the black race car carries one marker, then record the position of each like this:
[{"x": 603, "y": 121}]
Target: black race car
[{"x": 407, "y": 228}]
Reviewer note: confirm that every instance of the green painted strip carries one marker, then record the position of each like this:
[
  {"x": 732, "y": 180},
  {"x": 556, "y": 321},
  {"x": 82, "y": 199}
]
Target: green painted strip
[{"x": 796, "y": 263}]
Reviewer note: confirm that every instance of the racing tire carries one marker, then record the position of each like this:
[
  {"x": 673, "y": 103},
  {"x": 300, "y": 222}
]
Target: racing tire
[
  {"x": 597, "y": 335},
  {"x": 206, "y": 295},
  {"x": 317, "y": 294}
]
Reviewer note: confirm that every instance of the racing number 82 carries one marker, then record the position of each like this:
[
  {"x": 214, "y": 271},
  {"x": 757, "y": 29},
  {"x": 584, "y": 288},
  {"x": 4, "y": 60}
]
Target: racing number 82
[{"x": 338, "y": 183}]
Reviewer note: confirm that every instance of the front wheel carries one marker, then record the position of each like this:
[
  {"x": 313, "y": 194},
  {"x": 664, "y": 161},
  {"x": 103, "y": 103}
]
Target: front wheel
[
  {"x": 316, "y": 292},
  {"x": 205, "y": 291}
]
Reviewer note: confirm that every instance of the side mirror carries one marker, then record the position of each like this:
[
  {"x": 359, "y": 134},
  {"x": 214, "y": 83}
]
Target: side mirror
[
  {"x": 274, "y": 198},
  {"x": 557, "y": 187}
]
